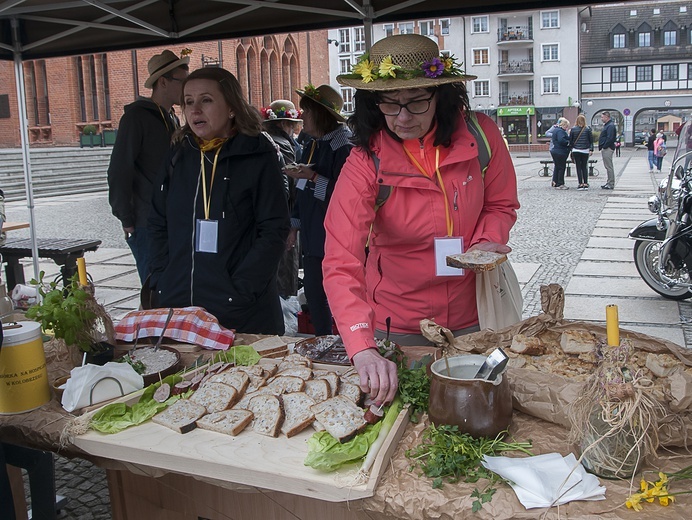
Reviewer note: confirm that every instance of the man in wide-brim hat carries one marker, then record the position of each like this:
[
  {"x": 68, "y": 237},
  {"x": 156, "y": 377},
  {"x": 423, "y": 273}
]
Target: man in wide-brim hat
[
  {"x": 415, "y": 190},
  {"x": 142, "y": 142}
]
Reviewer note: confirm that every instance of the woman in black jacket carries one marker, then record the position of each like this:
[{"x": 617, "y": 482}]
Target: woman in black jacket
[
  {"x": 219, "y": 219},
  {"x": 581, "y": 143},
  {"x": 560, "y": 152}
]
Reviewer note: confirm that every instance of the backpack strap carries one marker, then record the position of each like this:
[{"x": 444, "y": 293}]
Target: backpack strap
[{"x": 484, "y": 151}]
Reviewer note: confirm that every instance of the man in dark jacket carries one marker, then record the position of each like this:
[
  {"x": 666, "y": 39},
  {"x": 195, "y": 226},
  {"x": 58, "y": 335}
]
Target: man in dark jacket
[
  {"x": 606, "y": 144},
  {"x": 143, "y": 141}
]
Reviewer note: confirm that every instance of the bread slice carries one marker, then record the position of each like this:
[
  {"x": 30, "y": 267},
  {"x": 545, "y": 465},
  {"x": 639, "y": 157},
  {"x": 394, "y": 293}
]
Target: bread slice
[
  {"x": 577, "y": 342},
  {"x": 300, "y": 371},
  {"x": 286, "y": 384},
  {"x": 528, "y": 345},
  {"x": 269, "y": 345},
  {"x": 340, "y": 417},
  {"x": 230, "y": 422},
  {"x": 269, "y": 414},
  {"x": 298, "y": 415},
  {"x": 238, "y": 380},
  {"x": 318, "y": 389},
  {"x": 278, "y": 354},
  {"x": 350, "y": 377},
  {"x": 333, "y": 379},
  {"x": 294, "y": 359},
  {"x": 478, "y": 260},
  {"x": 181, "y": 416},
  {"x": 353, "y": 392},
  {"x": 215, "y": 396},
  {"x": 251, "y": 370}
]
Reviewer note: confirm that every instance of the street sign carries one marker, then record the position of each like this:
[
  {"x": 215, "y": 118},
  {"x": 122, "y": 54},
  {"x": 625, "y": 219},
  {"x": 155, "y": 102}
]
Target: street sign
[
  {"x": 626, "y": 111},
  {"x": 516, "y": 111}
]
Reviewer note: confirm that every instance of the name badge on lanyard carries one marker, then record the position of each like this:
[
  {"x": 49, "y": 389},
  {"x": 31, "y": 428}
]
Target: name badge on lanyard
[
  {"x": 207, "y": 230},
  {"x": 444, "y": 247},
  {"x": 207, "y": 236}
]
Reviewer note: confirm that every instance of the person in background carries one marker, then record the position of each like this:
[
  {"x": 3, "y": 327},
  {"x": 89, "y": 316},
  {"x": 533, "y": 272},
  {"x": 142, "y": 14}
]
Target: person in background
[
  {"x": 322, "y": 160},
  {"x": 411, "y": 135},
  {"x": 219, "y": 217},
  {"x": 651, "y": 157},
  {"x": 659, "y": 150},
  {"x": 560, "y": 153},
  {"x": 581, "y": 143},
  {"x": 280, "y": 121},
  {"x": 618, "y": 144},
  {"x": 142, "y": 143},
  {"x": 606, "y": 144}
]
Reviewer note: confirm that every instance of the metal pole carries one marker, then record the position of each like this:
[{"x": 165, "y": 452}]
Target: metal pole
[
  {"x": 528, "y": 131},
  {"x": 24, "y": 135}
]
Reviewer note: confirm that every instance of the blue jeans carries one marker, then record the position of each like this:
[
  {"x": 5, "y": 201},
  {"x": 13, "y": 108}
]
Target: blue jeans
[
  {"x": 652, "y": 159},
  {"x": 139, "y": 244}
]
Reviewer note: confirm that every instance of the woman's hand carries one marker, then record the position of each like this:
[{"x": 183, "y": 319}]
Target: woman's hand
[
  {"x": 378, "y": 376},
  {"x": 300, "y": 171},
  {"x": 292, "y": 239},
  {"x": 492, "y": 246}
]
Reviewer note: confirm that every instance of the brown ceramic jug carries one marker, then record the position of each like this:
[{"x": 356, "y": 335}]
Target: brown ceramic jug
[{"x": 478, "y": 407}]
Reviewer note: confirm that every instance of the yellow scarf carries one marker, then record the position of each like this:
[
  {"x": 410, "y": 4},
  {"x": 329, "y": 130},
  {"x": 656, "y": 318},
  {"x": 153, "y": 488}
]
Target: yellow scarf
[{"x": 208, "y": 146}]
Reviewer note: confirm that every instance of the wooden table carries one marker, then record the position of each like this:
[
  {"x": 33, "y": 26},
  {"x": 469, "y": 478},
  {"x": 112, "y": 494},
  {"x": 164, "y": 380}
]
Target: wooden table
[{"x": 13, "y": 226}]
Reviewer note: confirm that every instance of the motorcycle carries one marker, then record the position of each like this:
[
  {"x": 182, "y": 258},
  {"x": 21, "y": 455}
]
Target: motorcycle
[{"x": 663, "y": 247}]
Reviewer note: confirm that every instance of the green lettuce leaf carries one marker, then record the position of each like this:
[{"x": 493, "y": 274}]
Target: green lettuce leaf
[
  {"x": 325, "y": 453},
  {"x": 238, "y": 355}
]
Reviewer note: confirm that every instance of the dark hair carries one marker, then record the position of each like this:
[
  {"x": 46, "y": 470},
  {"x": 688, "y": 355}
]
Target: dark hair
[
  {"x": 324, "y": 119},
  {"x": 247, "y": 119},
  {"x": 273, "y": 127},
  {"x": 367, "y": 119}
]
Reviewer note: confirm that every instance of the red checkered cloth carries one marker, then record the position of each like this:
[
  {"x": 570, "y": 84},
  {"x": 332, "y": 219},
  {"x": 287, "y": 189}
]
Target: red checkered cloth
[{"x": 188, "y": 325}]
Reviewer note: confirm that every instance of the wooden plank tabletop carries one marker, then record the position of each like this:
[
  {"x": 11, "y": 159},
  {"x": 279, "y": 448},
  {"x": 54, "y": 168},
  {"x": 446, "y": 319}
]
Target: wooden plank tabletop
[{"x": 12, "y": 226}]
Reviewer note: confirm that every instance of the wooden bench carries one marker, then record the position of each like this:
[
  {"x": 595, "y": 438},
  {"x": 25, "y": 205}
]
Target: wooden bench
[
  {"x": 544, "y": 171},
  {"x": 63, "y": 251}
]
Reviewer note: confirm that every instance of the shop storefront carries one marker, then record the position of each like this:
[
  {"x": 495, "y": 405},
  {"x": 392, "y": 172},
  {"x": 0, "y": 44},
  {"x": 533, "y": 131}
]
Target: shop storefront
[{"x": 516, "y": 122}]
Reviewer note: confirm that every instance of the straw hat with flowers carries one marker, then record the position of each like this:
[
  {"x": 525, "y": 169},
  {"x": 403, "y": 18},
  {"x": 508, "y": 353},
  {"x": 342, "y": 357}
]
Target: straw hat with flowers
[
  {"x": 281, "y": 110},
  {"x": 325, "y": 96},
  {"x": 403, "y": 61}
]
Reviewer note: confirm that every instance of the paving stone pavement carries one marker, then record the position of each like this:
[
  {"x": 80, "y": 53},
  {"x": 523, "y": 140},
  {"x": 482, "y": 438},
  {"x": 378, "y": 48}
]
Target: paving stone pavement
[{"x": 574, "y": 238}]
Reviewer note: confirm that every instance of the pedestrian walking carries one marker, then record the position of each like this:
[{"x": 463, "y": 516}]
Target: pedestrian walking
[
  {"x": 659, "y": 150},
  {"x": 606, "y": 144},
  {"x": 651, "y": 156},
  {"x": 560, "y": 153}
]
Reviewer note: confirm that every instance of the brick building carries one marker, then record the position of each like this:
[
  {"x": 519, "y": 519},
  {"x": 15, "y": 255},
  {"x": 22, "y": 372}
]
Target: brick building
[{"x": 65, "y": 94}]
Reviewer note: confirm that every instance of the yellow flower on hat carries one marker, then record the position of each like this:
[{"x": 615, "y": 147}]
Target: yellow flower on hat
[
  {"x": 365, "y": 69},
  {"x": 388, "y": 68}
]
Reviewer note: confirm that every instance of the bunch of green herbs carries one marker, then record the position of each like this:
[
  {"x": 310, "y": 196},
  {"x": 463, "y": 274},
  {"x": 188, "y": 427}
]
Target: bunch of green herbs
[
  {"x": 446, "y": 455},
  {"x": 414, "y": 382}
]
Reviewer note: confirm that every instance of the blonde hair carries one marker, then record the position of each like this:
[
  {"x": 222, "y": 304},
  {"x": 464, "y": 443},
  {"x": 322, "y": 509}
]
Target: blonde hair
[
  {"x": 581, "y": 120},
  {"x": 562, "y": 122}
]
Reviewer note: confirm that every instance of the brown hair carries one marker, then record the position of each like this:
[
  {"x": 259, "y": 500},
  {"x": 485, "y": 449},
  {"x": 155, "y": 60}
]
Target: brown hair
[
  {"x": 322, "y": 117},
  {"x": 247, "y": 119},
  {"x": 581, "y": 120}
]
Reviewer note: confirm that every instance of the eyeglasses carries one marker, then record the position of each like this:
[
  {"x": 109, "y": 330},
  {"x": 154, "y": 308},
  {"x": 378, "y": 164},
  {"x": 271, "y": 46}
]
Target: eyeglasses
[
  {"x": 417, "y": 106},
  {"x": 171, "y": 78}
]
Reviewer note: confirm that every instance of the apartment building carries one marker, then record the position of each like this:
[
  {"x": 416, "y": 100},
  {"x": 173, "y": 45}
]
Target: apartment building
[
  {"x": 633, "y": 59},
  {"x": 636, "y": 60}
]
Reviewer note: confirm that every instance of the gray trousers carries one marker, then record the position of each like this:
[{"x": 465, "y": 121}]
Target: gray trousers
[{"x": 607, "y": 155}]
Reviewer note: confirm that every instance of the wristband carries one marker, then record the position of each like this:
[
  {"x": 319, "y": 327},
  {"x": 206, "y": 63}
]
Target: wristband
[{"x": 314, "y": 177}]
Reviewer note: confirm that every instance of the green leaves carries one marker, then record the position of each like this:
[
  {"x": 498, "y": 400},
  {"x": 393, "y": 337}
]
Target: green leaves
[{"x": 445, "y": 455}]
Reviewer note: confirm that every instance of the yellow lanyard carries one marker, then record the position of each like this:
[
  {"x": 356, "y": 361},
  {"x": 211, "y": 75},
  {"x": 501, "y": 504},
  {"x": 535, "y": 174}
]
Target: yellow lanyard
[
  {"x": 448, "y": 215},
  {"x": 207, "y": 201},
  {"x": 312, "y": 151},
  {"x": 166, "y": 119}
]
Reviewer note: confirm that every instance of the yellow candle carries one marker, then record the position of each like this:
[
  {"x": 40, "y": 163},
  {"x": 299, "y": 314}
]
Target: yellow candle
[
  {"x": 612, "y": 325},
  {"x": 81, "y": 269}
]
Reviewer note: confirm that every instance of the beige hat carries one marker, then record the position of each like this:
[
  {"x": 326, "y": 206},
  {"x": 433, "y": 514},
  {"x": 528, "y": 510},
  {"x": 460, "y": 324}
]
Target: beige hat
[
  {"x": 281, "y": 110},
  {"x": 401, "y": 62},
  {"x": 161, "y": 63},
  {"x": 325, "y": 96}
]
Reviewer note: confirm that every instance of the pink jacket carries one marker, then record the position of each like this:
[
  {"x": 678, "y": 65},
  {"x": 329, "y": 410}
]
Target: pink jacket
[{"x": 399, "y": 279}]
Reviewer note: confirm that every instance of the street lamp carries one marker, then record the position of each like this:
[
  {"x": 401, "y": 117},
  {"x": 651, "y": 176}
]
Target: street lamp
[
  {"x": 576, "y": 104},
  {"x": 589, "y": 103}
]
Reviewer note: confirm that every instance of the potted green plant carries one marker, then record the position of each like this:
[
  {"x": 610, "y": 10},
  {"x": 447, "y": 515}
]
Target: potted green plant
[
  {"x": 73, "y": 315},
  {"x": 89, "y": 136}
]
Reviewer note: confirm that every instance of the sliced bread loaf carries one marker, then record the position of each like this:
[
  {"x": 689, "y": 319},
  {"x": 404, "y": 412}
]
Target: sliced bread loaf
[
  {"x": 318, "y": 389},
  {"x": 230, "y": 422},
  {"x": 181, "y": 416},
  {"x": 298, "y": 415},
  {"x": 340, "y": 417},
  {"x": 333, "y": 379},
  {"x": 353, "y": 392},
  {"x": 238, "y": 380},
  {"x": 215, "y": 396},
  {"x": 269, "y": 414},
  {"x": 286, "y": 384}
]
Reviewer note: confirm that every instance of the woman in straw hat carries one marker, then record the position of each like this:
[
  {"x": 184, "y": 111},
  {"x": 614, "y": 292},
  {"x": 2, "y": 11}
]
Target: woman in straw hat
[
  {"x": 219, "y": 218},
  {"x": 323, "y": 157},
  {"x": 411, "y": 134},
  {"x": 280, "y": 121}
]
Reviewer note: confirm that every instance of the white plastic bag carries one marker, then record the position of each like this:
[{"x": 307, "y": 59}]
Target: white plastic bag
[
  {"x": 498, "y": 297},
  {"x": 291, "y": 308}
]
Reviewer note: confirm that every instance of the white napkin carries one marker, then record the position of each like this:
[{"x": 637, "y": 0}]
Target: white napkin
[
  {"x": 547, "y": 480},
  {"x": 78, "y": 393}
]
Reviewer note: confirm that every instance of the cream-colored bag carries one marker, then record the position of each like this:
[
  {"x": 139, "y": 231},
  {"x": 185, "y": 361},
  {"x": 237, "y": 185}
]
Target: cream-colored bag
[{"x": 498, "y": 297}]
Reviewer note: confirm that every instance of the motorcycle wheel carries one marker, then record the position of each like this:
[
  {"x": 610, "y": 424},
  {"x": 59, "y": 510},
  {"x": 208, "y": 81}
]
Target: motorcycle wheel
[{"x": 646, "y": 259}]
